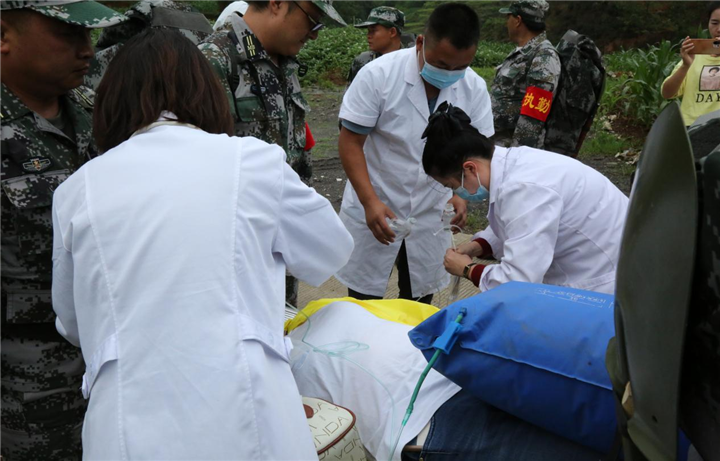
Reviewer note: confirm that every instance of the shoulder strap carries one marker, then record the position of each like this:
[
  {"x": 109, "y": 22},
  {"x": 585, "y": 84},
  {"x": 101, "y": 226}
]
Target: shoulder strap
[
  {"x": 83, "y": 96},
  {"x": 240, "y": 59},
  {"x": 533, "y": 55}
]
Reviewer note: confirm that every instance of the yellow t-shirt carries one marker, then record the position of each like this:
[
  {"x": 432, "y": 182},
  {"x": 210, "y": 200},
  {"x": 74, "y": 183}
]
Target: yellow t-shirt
[{"x": 700, "y": 90}]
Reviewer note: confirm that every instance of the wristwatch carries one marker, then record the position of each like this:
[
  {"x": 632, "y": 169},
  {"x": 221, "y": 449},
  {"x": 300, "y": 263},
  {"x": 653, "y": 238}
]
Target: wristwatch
[{"x": 466, "y": 271}]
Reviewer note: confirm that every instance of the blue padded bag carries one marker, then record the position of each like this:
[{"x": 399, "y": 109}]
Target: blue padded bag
[{"x": 536, "y": 352}]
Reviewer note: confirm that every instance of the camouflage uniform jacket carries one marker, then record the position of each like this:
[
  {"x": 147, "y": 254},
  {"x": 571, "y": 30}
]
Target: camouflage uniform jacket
[
  {"x": 265, "y": 99},
  {"x": 180, "y": 16},
  {"x": 358, "y": 63},
  {"x": 535, "y": 64},
  {"x": 36, "y": 158},
  {"x": 408, "y": 41}
]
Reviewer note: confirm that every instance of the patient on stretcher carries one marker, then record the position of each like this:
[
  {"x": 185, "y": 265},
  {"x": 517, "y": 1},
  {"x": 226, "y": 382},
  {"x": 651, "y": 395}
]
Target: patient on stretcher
[{"x": 358, "y": 355}]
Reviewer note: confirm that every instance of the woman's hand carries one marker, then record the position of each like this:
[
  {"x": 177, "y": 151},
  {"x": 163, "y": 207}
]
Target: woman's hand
[
  {"x": 471, "y": 248},
  {"x": 460, "y": 219},
  {"x": 455, "y": 262},
  {"x": 685, "y": 49}
]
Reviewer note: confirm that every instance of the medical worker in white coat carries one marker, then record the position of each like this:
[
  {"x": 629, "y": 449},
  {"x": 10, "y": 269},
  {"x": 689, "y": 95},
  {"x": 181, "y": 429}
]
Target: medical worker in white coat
[
  {"x": 169, "y": 259},
  {"x": 553, "y": 220},
  {"x": 384, "y": 113}
]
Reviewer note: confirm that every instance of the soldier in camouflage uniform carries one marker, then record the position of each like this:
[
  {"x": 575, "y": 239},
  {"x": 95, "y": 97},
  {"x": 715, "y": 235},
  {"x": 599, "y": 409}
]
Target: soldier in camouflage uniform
[
  {"x": 46, "y": 135},
  {"x": 256, "y": 65},
  {"x": 527, "y": 80},
  {"x": 147, "y": 13},
  {"x": 380, "y": 35}
]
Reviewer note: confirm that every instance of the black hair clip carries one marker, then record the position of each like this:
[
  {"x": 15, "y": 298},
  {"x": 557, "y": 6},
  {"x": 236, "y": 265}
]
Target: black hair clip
[{"x": 445, "y": 112}]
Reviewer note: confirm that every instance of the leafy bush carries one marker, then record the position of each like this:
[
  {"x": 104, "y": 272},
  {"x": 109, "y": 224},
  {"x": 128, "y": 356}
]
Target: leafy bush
[
  {"x": 639, "y": 75},
  {"x": 491, "y": 54},
  {"x": 329, "y": 57}
]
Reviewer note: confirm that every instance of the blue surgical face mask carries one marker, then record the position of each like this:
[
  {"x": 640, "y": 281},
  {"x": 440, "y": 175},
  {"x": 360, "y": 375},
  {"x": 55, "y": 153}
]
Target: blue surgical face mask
[
  {"x": 478, "y": 196},
  {"x": 439, "y": 78}
]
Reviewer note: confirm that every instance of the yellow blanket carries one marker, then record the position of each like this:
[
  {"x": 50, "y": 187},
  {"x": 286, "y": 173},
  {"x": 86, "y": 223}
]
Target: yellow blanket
[{"x": 396, "y": 310}]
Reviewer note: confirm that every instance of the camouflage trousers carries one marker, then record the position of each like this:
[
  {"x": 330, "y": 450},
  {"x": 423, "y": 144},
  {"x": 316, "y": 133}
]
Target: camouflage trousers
[{"x": 42, "y": 406}]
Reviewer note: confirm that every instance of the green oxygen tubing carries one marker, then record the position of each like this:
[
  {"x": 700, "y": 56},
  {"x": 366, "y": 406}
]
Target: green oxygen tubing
[{"x": 444, "y": 343}]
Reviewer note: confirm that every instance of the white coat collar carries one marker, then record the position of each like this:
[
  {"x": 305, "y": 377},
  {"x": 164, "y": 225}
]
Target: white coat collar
[
  {"x": 166, "y": 118},
  {"x": 498, "y": 170},
  {"x": 417, "y": 94}
]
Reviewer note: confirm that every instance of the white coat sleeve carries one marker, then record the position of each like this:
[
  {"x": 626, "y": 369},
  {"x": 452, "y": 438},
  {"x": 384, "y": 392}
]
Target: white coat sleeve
[
  {"x": 361, "y": 103},
  {"x": 481, "y": 116},
  {"x": 63, "y": 301},
  {"x": 490, "y": 238},
  {"x": 311, "y": 238},
  {"x": 530, "y": 215}
]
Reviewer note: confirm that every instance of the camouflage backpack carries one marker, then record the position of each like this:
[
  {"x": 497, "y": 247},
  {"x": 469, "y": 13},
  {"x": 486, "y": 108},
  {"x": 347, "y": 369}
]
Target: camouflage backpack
[{"x": 582, "y": 83}]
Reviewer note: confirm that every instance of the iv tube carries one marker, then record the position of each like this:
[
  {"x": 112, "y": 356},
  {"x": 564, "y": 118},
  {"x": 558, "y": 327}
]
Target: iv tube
[{"x": 420, "y": 381}]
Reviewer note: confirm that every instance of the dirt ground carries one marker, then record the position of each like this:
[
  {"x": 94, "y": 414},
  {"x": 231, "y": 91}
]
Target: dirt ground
[{"x": 329, "y": 176}]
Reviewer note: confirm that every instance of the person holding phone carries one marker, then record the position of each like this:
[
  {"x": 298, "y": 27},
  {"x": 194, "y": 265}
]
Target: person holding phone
[{"x": 694, "y": 77}]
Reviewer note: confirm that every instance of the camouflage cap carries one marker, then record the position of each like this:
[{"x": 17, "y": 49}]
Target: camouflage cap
[
  {"x": 88, "y": 14},
  {"x": 327, "y": 8},
  {"x": 530, "y": 10},
  {"x": 385, "y": 16}
]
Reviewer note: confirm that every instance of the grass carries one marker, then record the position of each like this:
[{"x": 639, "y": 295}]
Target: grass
[
  {"x": 476, "y": 219},
  {"x": 605, "y": 143},
  {"x": 487, "y": 73},
  {"x": 324, "y": 147}
]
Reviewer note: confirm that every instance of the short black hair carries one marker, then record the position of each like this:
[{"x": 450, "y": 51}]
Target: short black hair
[
  {"x": 258, "y": 4},
  {"x": 261, "y": 5},
  {"x": 714, "y": 68},
  {"x": 456, "y": 22},
  {"x": 711, "y": 8},
  {"x": 532, "y": 25},
  {"x": 18, "y": 18}
]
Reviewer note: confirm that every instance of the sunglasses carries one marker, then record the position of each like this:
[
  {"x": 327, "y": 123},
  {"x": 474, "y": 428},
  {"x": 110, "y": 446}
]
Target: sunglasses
[{"x": 316, "y": 25}]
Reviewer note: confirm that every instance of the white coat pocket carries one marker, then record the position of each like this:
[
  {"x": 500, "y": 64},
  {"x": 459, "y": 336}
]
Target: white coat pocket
[
  {"x": 252, "y": 330},
  {"x": 107, "y": 352}
]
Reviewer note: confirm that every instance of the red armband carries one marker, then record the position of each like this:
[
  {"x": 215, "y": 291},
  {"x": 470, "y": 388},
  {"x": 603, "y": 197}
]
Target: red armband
[{"x": 536, "y": 103}]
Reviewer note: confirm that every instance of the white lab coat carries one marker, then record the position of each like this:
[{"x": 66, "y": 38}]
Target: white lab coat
[
  {"x": 388, "y": 94},
  {"x": 169, "y": 259},
  {"x": 553, "y": 220}
]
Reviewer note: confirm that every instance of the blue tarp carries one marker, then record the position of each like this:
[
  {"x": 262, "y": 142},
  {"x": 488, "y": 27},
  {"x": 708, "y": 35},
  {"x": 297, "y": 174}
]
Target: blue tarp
[{"x": 534, "y": 351}]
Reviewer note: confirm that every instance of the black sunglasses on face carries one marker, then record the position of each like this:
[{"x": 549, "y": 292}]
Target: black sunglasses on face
[{"x": 316, "y": 25}]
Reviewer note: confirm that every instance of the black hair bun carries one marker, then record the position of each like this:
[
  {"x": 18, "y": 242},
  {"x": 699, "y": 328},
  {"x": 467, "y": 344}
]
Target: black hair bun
[{"x": 446, "y": 121}]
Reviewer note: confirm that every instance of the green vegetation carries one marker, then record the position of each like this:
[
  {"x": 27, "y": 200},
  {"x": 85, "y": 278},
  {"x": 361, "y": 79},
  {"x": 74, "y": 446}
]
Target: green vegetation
[
  {"x": 491, "y": 54},
  {"x": 329, "y": 57},
  {"x": 635, "y": 78},
  {"x": 487, "y": 74},
  {"x": 602, "y": 142}
]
